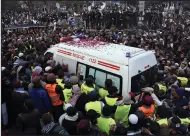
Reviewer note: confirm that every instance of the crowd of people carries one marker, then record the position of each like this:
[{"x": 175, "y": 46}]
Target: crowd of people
[
  {"x": 93, "y": 18},
  {"x": 40, "y": 97}
]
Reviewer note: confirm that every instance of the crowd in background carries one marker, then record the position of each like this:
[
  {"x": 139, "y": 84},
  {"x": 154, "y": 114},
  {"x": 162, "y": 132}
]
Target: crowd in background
[
  {"x": 95, "y": 17},
  {"x": 49, "y": 100}
]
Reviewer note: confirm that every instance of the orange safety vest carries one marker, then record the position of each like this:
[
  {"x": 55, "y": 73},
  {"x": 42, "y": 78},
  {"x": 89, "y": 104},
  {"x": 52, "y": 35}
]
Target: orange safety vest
[
  {"x": 147, "y": 111},
  {"x": 55, "y": 98}
]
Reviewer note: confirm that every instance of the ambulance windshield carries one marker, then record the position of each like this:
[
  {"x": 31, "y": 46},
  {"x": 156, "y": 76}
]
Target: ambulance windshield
[{"x": 142, "y": 80}]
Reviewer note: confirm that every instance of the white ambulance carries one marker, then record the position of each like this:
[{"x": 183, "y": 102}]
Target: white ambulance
[{"x": 129, "y": 68}]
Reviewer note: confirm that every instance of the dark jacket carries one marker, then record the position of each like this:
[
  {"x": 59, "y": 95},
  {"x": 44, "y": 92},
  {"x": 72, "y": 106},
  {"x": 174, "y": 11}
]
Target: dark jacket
[
  {"x": 18, "y": 103},
  {"x": 29, "y": 119},
  {"x": 81, "y": 102}
]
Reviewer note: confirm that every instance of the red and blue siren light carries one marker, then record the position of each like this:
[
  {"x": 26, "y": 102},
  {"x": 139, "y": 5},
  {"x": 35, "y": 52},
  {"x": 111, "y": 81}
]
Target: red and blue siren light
[{"x": 128, "y": 54}]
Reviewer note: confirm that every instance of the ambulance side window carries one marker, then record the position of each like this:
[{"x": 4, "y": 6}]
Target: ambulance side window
[
  {"x": 82, "y": 70},
  {"x": 91, "y": 72},
  {"x": 115, "y": 81},
  {"x": 100, "y": 78}
]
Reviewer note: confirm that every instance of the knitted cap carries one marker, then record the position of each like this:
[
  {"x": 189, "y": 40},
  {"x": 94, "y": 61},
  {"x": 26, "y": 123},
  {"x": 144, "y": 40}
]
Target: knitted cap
[
  {"x": 83, "y": 126},
  {"x": 92, "y": 114},
  {"x": 17, "y": 84},
  {"x": 148, "y": 100},
  {"x": 51, "y": 77},
  {"x": 36, "y": 80},
  {"x": 179, "y": 92},
  {"x": 112, "y": 90},
  {"x": 107, "y": 111},
  {"x": 35, "y": 74},
  {"x": 71, "y": 111},
  {"x": 108, "y": 82},
  {"x": 74, "y": 80},
  {"x": 93, "y": 95}
]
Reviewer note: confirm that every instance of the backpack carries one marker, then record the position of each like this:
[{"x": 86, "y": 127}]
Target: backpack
[{"x": 41, "y": 100}]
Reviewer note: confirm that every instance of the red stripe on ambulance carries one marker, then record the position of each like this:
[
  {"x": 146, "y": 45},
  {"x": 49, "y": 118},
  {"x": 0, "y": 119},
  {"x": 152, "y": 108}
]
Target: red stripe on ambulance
[
  {"x": 109, "y": 65},
  {"x": 64, "y": 52},
  {"x": 78, "y": 56}
]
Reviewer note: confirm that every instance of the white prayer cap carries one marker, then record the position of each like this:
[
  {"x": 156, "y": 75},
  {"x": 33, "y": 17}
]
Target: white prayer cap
[
  {"x": 3, "y": 68},
  {"x": 20, "y": 54},
  {"x": 133, "y": 119},
  {"x": 48, "y": 68}
]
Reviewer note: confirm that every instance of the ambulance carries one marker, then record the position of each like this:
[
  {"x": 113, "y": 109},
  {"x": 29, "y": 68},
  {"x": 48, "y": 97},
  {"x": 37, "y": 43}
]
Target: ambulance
[{"x": 129, "y": 68}]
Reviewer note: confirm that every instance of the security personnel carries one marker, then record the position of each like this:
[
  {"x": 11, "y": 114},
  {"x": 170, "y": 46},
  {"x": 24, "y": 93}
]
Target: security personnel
[
  {"x": 15, "y": 58},
  {"x": 148, "y": 107},
  {"x": 160, "y": 89},
  {"x": 112, "y": 98},
  {"x": 88, "y": 86},
  {"x": 185, "y": 121},
  {"x": 60, "y": 80},
  {"x": 183, "y": 115},
  {"x": 104, "y": 91},
  {"x": 56, "y": 95},
  {"x": 94, "y": 104},
  {"x": 105, "y": 122},
  {"x": 163, "y": 113},
  {"x": 67, "y": 92},
  {"x": 27, "y": 47},
  {"x": 32, "y": 68},
  {"x": 163, "y": 121},
  {"x": 183, "y": 81},
  {"x": 122, "y": 113}
]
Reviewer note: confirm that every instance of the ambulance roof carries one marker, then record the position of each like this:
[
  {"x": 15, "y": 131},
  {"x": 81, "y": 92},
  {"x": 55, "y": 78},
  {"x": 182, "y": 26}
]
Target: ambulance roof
[{"x": 107, "y": 51}]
